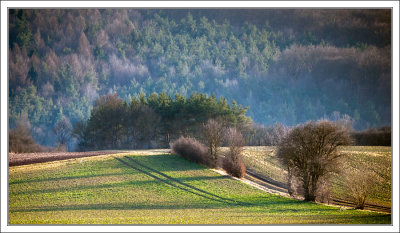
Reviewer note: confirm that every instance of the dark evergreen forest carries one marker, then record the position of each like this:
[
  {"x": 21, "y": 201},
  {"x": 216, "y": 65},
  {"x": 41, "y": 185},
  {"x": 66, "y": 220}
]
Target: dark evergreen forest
[
  {"x": 285, "y": 65},
  {"x": 155, "y": 121}
]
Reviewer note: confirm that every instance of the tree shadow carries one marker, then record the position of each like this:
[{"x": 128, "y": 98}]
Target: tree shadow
[
  {"x": 121, "y": 206},
  {"x": 186, "y": 186},
  {"x": 177, "y": 184},
  {"x": 171, "y": 162},
  {"x": 105, "y": 185},
  {"x": 262, "y": 203},
  {"x": 63, "y": 178}
]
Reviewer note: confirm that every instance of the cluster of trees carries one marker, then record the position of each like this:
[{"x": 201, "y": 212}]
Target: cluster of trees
[
  {"x": 153, "y": 121},
  {"x": 374, "y": 137},
  {"x": 310, "y": 153},
  {"x": 317, "y": 80},
  {"x": 156, "y": 120},
  {"x": 339, "y": 27},
  {"x": 62, "y": 60},
  {"x": 260, "y": 135}
]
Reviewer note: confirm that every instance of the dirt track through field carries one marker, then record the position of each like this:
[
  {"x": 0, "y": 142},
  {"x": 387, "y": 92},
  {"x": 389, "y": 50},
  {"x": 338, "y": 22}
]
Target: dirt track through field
[{"x": 281, "y": 190}]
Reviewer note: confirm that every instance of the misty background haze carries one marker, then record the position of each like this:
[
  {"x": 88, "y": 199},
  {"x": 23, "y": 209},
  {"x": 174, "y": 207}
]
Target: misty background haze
[{"x": 286, "y": 65}]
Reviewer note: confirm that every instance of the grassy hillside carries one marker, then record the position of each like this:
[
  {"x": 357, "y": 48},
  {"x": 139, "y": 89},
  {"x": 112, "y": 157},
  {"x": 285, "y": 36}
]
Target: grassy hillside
[
  {"x": 375, "y": 158},
  {"x": 154, "y": 188}
]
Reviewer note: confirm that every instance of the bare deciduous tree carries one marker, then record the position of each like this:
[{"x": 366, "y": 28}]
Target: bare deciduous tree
[
  {"x": 233, "y": 163},
  {"x": 20, "y": 138},
  {"x": 276, "y": 133},
  {"x": 213, "y": 135},
  {"x": 343, "y": 120},
  {"x": 63, "y": 130},
  {"x": 309, "y": 152},
  {"x": 359, "y": 184},
  {"x": 235, "y": 142}
]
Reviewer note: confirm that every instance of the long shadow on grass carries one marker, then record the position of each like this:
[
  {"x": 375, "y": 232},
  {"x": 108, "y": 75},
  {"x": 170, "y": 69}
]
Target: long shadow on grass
[
  {"x": 120, "y": 206},
  {"x": 102, "y": 185},
  {"x": 79, "y": 188},
  {"x": 280, "y": 209},
  {"x": 174, "y": 183},
  {"x": 63, "y": 178},
  {"x": 171, "y": 162},
  {"x": 184, "y": 184}
]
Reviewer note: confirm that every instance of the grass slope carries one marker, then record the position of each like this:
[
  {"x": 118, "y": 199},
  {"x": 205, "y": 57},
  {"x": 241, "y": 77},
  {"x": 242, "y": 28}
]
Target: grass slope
[
  {"x": 154, "y": 189},
  {"x": 375, "y": 158}
]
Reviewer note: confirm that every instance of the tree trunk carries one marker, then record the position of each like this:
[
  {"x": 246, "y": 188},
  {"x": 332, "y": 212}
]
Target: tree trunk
[
  {"x": 308, "y": 191},
  {"x": 313, "y": 188},
  {"x": 309, "y": 197},
  {"x": 289, "y": 180}
]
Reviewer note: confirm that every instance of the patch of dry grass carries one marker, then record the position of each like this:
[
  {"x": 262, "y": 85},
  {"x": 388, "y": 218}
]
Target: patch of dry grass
[
  {"x": 375, "y": 158},
  {"x": 262, "y": 160}
]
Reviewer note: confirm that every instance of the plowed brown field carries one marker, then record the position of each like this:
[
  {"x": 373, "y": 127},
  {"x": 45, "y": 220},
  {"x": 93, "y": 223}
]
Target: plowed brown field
[{"x": 29, "y": 158}]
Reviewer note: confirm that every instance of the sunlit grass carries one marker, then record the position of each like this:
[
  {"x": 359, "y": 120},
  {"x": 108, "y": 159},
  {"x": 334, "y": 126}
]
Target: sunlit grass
[
  {"x": 103, "y": 190},
  {"x": 262, "y": 159},
  {"x": 375, "y": 158}
]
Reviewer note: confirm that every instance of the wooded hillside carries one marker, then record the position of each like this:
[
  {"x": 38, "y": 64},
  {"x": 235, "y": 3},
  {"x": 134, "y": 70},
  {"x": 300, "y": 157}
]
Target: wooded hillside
[{"x": 287, "y": 65}]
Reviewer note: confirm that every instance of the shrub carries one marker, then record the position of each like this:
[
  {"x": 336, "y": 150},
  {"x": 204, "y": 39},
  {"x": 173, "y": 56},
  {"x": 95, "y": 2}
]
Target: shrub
[
  {"x": 236, "y": 169},
  {"x": 192, "y": 150},
  {"x": 21, "y": 141}
]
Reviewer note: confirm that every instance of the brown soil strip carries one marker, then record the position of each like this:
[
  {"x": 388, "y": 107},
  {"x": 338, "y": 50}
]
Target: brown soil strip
[{"x": 31, "y": 158}]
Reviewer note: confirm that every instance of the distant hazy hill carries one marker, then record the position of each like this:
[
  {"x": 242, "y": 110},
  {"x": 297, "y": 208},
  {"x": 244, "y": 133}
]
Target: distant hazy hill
[{"x": 289, "y": 66}]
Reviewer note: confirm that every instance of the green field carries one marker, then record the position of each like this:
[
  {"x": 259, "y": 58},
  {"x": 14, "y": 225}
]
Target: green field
[{"x": 154, "y": 189}]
